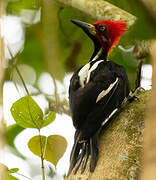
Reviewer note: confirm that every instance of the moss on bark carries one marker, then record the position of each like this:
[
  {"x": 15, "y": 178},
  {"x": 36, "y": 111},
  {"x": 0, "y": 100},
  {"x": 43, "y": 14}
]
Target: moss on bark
[{"x": 120, "y": 146}]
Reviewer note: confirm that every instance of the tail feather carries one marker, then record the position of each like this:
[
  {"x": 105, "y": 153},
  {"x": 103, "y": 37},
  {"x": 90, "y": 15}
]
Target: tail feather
[
  {"x": 81, "y": 151},
  {"x": 74, "y": 153},
  {"x": 85, "y": 159},
  {"x": 76, "y": 147},
  {"x": 93, "y": 152},
  {"x": 82, "y": 154}
]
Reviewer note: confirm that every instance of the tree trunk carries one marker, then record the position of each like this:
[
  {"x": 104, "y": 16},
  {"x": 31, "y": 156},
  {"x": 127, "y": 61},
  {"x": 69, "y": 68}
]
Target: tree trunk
[{"x": 121, "y": 145}]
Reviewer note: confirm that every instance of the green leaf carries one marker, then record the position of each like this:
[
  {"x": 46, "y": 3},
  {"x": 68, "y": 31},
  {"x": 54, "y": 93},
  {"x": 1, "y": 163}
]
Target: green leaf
[
  {"x": 49, "y": 118},
  {"x": 54, "y": 147},
  {"x": 6, "y": 172},
  {"x": 27, "y": 113},
  {"x": 10, "y": 177},
  {"x": 13, "y": 170},
  {"x": 11, "y": 134}
]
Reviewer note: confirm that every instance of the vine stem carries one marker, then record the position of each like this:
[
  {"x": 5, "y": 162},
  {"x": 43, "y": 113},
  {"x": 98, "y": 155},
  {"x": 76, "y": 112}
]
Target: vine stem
[
  {"x": 18, "y": 72},
  {"x": 42, "y": 156},
  {"x": 41, "y": 145},
  {"x": 25, "y": 87}
]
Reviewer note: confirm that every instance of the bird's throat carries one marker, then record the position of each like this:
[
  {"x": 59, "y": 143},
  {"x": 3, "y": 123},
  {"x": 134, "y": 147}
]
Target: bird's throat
[{"x": 99, "y": 53}]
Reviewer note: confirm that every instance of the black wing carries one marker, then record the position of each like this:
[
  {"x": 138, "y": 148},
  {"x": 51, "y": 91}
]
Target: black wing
[
  {"x": 89, "y": 109},
  {"x": 87, "y": 113}
]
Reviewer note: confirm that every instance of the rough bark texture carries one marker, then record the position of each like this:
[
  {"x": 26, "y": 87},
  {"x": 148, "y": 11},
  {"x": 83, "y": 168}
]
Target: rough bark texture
[
  {"x": 120, "y": 146},
  {"x": 100, "y": 10}
]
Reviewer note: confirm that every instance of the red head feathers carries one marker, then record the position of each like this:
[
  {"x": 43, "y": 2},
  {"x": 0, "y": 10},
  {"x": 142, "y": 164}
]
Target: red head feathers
[
  {"x": 108, "y": 33},
  {"x": 114, "y": 30}
]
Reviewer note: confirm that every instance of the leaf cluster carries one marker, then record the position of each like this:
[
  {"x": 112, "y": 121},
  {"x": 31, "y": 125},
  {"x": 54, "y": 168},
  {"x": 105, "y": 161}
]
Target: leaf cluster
[{"x": 27, "y": 114}]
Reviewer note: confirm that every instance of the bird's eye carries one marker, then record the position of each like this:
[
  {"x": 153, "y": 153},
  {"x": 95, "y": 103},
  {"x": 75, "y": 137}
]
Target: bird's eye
[{"x": 102, "y": 28}]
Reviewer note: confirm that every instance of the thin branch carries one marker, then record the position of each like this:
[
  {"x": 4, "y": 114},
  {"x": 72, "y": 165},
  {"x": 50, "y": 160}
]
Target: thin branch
[
  {"x": 100, "y": 10},
  {"x": 138, "y": 79},
  {"x": 42, "y": 157},
  {"x": 18, "y": 72},
  {"x": 25, "y": 87}
]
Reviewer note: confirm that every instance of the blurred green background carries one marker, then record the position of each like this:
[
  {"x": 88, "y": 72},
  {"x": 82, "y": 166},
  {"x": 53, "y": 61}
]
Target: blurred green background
[
  {"x": 54, "y": 45},
  {"x": 57, "y": 46}
]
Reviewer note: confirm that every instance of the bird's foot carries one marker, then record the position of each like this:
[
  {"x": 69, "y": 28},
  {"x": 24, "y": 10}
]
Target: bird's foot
[{"x": 133, "y": 95}]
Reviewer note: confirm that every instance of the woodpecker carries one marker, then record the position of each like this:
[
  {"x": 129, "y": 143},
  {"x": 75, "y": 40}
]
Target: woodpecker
[{"x": 96, "y": 92}]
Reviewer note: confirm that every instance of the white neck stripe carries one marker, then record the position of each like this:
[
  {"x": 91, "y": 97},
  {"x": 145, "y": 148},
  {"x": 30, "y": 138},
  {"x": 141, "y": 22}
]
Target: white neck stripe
[
  {"x": 83, "y": 73},
  {"x": 95, "y": 65},
  {"x": 97, "y": 55}
]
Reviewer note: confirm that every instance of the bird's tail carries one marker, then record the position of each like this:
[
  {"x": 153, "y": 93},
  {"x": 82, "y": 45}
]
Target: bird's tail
[{"x": 81, "y": 151}]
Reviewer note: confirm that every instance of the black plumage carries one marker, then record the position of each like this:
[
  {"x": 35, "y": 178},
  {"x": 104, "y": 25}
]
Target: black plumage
[
  {"x": 86, "y": 113},
  {"x": 96, "y": 91}
]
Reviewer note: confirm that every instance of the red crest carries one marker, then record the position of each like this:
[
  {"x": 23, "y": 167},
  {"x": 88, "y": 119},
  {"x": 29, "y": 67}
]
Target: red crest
[{"x": 115, "y": 29}]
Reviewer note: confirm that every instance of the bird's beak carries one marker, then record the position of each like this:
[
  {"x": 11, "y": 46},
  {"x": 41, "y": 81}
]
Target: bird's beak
[{"x": 88, "y": 28}]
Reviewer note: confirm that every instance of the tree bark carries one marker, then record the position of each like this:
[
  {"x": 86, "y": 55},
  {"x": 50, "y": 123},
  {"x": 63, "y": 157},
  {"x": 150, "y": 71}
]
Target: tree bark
[
  {"x": 100, "y": 10},
  {"x": 121, "y": 145}
]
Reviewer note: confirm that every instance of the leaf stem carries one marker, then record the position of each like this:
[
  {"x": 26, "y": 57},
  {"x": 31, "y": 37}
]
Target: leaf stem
[
  {"x": 20, "y": 174},
  {"x": 18, "y": 72},
  {"x": 42, "y": 157}
]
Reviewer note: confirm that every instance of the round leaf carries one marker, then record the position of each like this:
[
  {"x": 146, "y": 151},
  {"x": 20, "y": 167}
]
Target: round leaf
[
  {"x": 54, "y": 147},
  {"x": 49, "y": 118},
  {"x": 27, "y": 113}
]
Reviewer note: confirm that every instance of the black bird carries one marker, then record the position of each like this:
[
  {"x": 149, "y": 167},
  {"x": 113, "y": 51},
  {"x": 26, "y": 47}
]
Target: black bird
[{"x": 96, "y": 92}]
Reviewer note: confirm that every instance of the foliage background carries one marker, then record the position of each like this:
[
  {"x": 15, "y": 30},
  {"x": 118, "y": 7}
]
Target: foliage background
[{"x": 54, "y": 45}]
